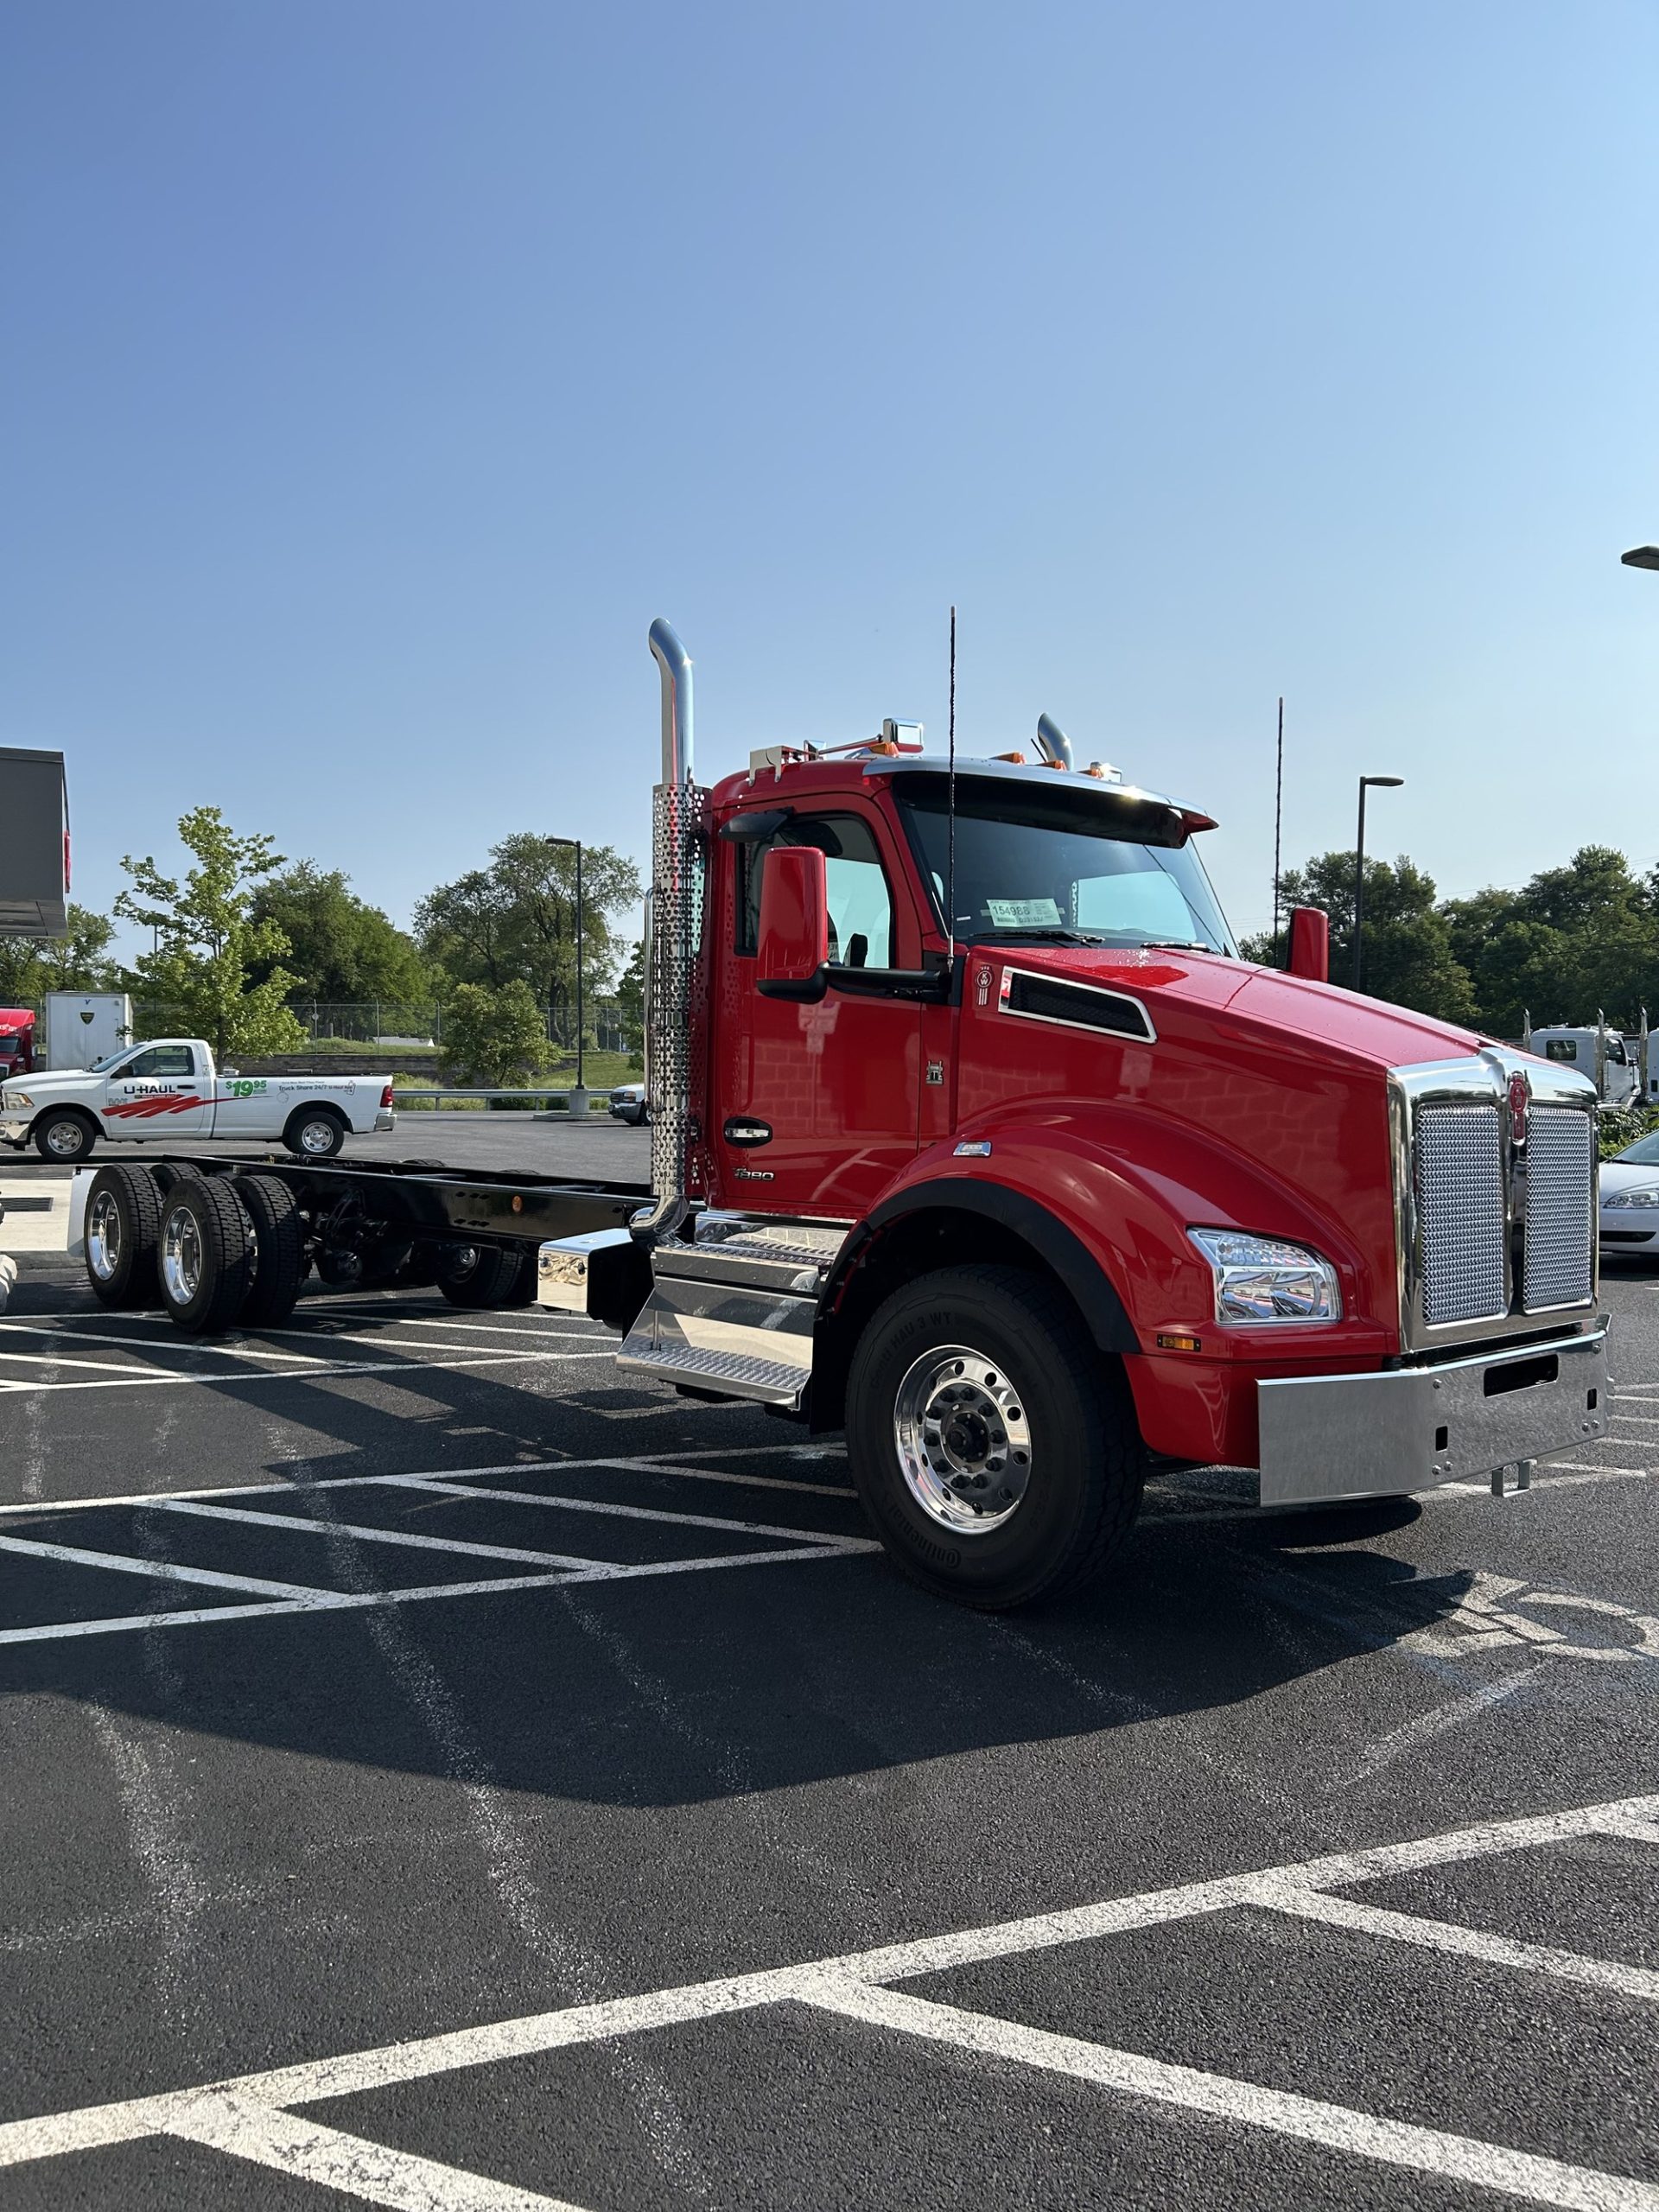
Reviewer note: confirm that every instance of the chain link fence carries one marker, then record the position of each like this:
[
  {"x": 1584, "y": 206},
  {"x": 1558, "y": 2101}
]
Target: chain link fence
[{"x": 388, "y": 1024}]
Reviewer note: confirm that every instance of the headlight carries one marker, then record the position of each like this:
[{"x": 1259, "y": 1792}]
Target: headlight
[
  {"x": 1631, "y": 1198},
  {"x": 1259, "y": 1279}
]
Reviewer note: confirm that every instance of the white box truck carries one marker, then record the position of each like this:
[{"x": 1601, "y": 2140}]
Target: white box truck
[{"x": 82, "y": 1027}]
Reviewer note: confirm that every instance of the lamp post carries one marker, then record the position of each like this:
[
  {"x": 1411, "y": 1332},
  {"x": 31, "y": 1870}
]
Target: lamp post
[
  {"x": 1641, "y": 556},
  {"x": 579, "y": 1096},
  {"x": 1384, "y": 783}
]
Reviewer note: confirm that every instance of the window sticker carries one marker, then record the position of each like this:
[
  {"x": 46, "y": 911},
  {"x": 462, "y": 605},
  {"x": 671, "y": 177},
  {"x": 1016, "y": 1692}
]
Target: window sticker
[{"x": 1023, "y": 913}]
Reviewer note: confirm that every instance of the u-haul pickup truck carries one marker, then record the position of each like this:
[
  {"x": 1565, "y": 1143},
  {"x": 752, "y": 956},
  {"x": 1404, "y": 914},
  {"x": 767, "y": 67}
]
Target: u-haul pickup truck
[{"x": 169, "y": 1088}]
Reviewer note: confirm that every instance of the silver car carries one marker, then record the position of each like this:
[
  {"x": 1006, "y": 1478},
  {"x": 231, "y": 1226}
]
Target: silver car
[{"x": 1630, "y": 1199}]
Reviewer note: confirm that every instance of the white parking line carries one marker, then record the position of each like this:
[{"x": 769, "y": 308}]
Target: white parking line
[
  {"x": 798, "y": 1544},
  {"x": 154, "y": 1570},
  {"x": 364, "y": 1535},
  {"x": 244, "y": 2117}
]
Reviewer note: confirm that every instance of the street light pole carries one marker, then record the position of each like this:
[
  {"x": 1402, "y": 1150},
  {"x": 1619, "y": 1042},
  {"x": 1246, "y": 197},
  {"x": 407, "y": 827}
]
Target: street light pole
[
  {"x": 581, "y": 1062},
  {"x": 1388, "y": 782}
]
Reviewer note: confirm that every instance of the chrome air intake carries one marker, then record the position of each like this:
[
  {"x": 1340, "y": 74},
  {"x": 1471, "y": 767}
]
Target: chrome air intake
[
  {"x": 1053, "y": 742},
  {"x": 674, "y": 922},
  {"x": 1494, "y": 1195}
]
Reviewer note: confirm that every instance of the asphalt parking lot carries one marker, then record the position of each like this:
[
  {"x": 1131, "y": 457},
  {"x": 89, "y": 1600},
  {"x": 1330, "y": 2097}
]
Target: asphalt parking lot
[{"x": 441, "y": 1772}]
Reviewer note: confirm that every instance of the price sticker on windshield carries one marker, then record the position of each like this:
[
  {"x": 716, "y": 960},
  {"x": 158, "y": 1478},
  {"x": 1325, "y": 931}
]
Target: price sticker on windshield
[{"x": 1023, "y": 913}]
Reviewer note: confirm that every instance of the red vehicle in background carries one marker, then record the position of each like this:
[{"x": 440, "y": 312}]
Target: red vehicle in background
[{"x": 17, "y": 1041}]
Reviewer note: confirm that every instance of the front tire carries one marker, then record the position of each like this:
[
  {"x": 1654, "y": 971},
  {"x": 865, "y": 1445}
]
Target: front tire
[
  {"x": 994, "y": 1447},
  {"x": 65, "y": 1138},
  {"x": 124, "y": 1220},
  {"x": 205, "y": 1255},
  {"x": 314, "y": 1133}
]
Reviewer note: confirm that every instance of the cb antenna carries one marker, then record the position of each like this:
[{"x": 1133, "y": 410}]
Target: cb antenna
[
  {"x": 950, "y": 812},
  {"x": 1279, "y": 812}
]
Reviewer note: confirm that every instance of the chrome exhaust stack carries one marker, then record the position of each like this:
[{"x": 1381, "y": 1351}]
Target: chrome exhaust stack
[{"x": 674, "y": 913}]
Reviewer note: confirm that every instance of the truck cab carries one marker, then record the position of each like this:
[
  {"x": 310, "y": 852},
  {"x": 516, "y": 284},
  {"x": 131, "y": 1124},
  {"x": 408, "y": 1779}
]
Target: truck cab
[
  {"x": 974, "y": 1136},
  {"x": 16, "y": 1040}
]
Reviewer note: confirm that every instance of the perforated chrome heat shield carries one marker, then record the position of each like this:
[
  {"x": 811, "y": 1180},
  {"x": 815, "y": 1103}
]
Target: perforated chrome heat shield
[{"x": 677, "y": 863}]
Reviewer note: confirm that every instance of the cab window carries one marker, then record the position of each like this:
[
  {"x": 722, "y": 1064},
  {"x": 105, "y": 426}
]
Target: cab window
[
  {"x": 1561, "y": 1048},
  {"x": 162, "y": 1060},
  {"x": 860, "y": 897}
]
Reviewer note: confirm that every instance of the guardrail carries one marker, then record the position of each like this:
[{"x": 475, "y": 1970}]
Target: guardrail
[{"x": 407, "y": 1093}]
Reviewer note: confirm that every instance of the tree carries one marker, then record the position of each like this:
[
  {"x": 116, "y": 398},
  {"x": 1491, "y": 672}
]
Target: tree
[
  {"x": 339, "y": 947},
  {"x": 1409, "y": 953},
  {"x": 80, "y": 961},
  {"x": 496, "y": 1039},
  {"x": 518, "y": 918},
  {"x": 208, "y": 939},
  {"x": 630, "y": 995},
  {"x": 1571, "y": 941}
]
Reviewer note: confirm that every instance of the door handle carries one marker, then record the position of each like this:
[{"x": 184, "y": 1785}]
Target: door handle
[{"x": 744, "y": 1129}]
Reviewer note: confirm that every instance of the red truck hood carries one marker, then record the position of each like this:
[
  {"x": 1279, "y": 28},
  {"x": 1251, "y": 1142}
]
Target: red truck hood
[
  {"x": 1258, "y": 1101},
  {"x": 1318, "y": 1017}
]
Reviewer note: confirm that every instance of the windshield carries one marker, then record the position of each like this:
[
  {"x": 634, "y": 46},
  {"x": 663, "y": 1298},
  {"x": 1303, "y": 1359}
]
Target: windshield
[
  {"x": 1037, "y": 864},
  {"x": 108, "y": 1061},
  {"x": 1644, "y": 1152}
]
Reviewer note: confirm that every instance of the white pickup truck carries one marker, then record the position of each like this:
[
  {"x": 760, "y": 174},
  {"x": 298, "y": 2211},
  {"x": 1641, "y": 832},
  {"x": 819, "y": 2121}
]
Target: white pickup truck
[{"x": 169, "y": 1088}]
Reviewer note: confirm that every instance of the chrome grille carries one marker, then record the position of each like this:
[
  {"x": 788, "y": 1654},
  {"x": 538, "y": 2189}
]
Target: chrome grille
[
  {"x": 1560, "y": 1183},
  {"x": 1458, "y": 1172}
]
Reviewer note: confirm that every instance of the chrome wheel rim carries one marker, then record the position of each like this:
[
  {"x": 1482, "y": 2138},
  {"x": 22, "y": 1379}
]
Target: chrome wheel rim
[
  {"x": 67, "y": 1139},
  {"x": 316, "y": 1137},
  {"x": 963, "y": 1439},
  {"x": 103, "y": 1236},
  {"x": 182, "y": 1257}
]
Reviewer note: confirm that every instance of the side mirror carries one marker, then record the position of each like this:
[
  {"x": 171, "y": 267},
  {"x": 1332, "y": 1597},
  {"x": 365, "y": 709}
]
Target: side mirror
[
  {"x": 1310, "y": 943},
  {"x": 794, "y": 924}
]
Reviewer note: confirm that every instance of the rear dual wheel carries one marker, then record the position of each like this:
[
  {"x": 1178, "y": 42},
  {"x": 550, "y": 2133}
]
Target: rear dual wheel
[
  {"x": 124, "y": 1220},
  {"x": 488, "y": 1276},
  {"x": 228, "y": 1250}
]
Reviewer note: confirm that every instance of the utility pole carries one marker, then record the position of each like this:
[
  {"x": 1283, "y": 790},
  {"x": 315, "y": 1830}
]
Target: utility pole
[
  {"x": 1388, "y": 783},
  {"x": 579, "y": 1096}
]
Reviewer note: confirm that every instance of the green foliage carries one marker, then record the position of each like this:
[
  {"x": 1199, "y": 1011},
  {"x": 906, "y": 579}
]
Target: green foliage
[
  {"x": 208, "y": 939},
  {"x": 1409, "y": 959},
  {"x": 496, "y": 1038},
  {"x": 338, "y": 946},
  {"x": 1572, "y": 941},
  {"x": 30, "y": 966},
  {"x": 630, "y": 998},
  {"x": 517, "y": 920},
  {"x": 1624, "y": 1126}
]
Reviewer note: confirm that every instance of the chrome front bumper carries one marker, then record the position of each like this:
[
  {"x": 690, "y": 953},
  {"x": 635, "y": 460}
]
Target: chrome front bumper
[
  {"x": 14, "y": 1129},
  {"x": 1329, "y": 1437}
]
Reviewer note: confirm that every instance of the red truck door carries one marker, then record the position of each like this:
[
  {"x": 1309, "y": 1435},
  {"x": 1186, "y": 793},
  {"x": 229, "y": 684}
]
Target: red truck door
[{"x": 815, "y": 1105}]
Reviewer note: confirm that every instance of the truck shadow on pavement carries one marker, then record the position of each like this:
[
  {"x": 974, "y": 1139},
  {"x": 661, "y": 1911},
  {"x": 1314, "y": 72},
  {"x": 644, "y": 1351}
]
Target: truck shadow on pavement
[{"x": 687, "y": 1686}]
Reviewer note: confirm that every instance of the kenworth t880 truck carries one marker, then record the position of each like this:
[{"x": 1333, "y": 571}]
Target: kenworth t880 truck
[{"x": 973, "y": 1136}]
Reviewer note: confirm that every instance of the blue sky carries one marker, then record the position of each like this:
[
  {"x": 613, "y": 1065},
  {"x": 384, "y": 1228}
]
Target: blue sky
[{"x": 373, "y": 371}]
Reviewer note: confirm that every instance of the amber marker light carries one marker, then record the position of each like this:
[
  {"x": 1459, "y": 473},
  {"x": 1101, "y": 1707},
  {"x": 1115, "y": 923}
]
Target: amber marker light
[{"x": 1180, "y": 1343}]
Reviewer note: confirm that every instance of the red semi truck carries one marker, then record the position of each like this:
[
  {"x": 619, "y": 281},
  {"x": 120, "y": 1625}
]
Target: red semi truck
[
  {"x": 973, "y": 1136},
  {"x": 17, "y": 1041}
]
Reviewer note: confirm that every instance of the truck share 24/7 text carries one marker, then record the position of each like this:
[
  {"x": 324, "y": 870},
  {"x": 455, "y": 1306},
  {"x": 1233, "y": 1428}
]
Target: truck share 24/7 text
[{"x": 972, "y": 1135}]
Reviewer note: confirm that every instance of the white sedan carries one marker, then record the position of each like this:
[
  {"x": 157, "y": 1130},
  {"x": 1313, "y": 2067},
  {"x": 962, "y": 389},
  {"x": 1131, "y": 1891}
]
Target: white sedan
[{"x": 1629, "y": 1198}]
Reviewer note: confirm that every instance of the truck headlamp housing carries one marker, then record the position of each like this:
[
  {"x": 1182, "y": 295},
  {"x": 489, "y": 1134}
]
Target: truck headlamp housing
[
  {"x": 1260, "y": 1279},
  {"x": 1630, "y": 1198}
]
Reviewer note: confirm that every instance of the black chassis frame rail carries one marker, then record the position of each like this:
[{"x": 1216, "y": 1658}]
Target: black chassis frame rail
[{"x": 423, "y": 1197}]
